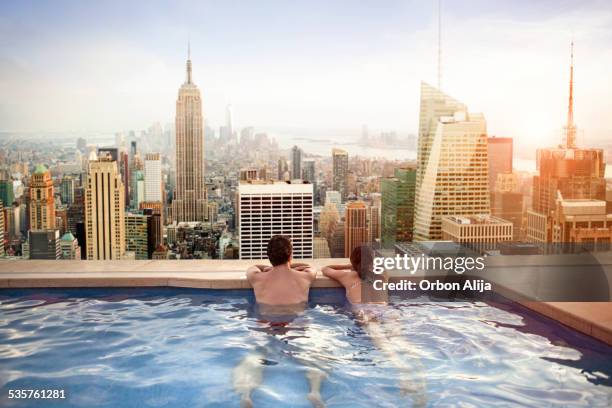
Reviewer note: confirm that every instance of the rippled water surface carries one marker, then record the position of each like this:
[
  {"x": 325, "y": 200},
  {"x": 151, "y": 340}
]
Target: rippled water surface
[{"x": 178, "y": 348}]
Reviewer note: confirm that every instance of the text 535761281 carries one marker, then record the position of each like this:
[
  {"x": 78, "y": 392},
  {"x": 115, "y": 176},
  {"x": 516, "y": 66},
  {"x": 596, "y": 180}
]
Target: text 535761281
[{"x": 36, "y": 394}]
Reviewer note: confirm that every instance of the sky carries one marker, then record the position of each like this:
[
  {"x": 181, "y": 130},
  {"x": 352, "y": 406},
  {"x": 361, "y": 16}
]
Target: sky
[{"x": 105, "y": 66}]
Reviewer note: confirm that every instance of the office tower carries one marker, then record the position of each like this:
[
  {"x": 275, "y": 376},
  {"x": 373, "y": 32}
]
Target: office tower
[
  {"x": 267, "y": 208},
  {"x": 67, "y": 186},
  {"x": 44, "y": 244},
  {"x": 321, "y": 248},
  {"x": 152, "y": 178},
  {"x": 136, "y": 238},
  {"x": 104, "y": 211},
  {"x": 434, "y": 105},
  {"x": 397, "y": 206},
  {"x": 336, "y": 245},
  {"x": 76, "y": 210},
  {"x": 61, "y": 218},
  {"x": 7, "y": 195},
  {"x": 574, "y": 172},
  {"x": 248, "y": 174},
  {"x": 296, "y": 162},
  {"x": 124, "y": 169},
  {"x": 155, "y": 222},
  {"x": 308, "y": 171},
  {"x": 507, "y": 202},
  {"x": 355, "y": 226},
  {"x": 2, "y": 229},
  {"x": 41, "y": 200},
  {"x": 138, "y": 188},
  {"x": 582, "y": 222},
  {"x": 500, "y": 158},
  {"x": 481, "y": 233},
  {"x": 340, "y": 172},
  {"x": 283, "y": 170},
  {"x": 70, "y": 247},
  {"x": 189, "y": 202},
  {"x": 374, "y": 227},
  {"x": 453, "y": 153}
]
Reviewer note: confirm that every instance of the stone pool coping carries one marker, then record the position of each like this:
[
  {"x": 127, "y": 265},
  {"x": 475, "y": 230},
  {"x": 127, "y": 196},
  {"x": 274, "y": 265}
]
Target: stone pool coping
[{"x": 591, "y": 318}]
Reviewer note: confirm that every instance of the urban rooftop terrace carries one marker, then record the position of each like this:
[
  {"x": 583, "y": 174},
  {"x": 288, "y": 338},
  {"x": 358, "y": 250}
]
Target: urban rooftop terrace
[{"x": 591, "y": 318}]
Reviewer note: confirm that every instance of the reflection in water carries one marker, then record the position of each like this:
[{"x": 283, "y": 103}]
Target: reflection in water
[{"x": 171, "y": 347}]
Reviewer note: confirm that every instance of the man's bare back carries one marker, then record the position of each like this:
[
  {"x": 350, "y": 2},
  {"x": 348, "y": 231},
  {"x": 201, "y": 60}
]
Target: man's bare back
[{"x": 286, "y": 284}]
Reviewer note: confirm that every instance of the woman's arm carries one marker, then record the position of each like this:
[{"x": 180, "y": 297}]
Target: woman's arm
[{"x": 336, "y": 272}]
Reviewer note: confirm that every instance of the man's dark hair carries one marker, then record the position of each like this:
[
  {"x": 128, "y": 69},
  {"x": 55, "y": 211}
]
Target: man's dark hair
[{"x": 279, "y": 249}]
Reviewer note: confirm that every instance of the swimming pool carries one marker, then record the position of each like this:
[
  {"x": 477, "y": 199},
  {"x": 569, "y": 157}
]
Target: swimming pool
[{"x": 179, "y": 347}]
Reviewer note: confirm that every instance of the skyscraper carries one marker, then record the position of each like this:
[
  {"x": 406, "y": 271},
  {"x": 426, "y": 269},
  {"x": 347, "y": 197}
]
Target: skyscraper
[
  {"x": 189, "y": 202},
  {"x": 566, "y": 172},
  {"x": 397, "y": 207},
  {"x": 453, "y": 179},
  {"x": 268, "y": 208},
  {"x": 153, "y": 178},
  {"x": 308, "y": 171},
  {"x": 42, "y": 201},
  {"x": 296, "y": 162},
  {"x": 340, "y": 172},
  {"x": 500, "y": 158},
  {"x": 2, "y": 227},
  {"x": 355, "y": 226},
  {"x": 283, "y": 169},
  {"x": 67, "y": 186},
  {"x": 136, "y": 239},
  {"x": 104, "y": 211},
  {"x": 7, "y": 194}
]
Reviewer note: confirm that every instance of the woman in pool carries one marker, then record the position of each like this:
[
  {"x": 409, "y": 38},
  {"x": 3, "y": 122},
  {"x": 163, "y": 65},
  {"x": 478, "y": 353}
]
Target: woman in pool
[{"x": 370, "y": 306}]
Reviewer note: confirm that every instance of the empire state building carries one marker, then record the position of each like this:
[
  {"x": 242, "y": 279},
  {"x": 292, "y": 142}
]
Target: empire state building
[{"x": 189, "y": 202}]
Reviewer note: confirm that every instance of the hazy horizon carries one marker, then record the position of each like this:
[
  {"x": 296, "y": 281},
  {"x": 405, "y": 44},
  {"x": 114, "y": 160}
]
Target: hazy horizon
[{"x": 105, "y": 67}]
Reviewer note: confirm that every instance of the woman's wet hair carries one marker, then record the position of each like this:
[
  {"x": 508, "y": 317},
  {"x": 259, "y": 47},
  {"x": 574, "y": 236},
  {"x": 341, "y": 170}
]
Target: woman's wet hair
[{"x": 362, "y": 261}]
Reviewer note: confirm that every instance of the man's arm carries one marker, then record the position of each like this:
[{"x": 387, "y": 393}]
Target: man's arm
[
  {"x": 304, "y": 267},
  {"x": 252, "y": 272},
  {"x": 336, "y": 272}
]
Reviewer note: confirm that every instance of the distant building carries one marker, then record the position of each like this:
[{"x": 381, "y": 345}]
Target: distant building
[
  {"x": 283, "y": 169},
  {"x": 481, "y": 233},
  {"x": 104, "y": 211},
  {"x": 356, "y": 230},
  {"x": 161, "y": 253},
  {"x": 453, "y": 179},
  {"x": 41, "y": 200},
  {"x": 500, "y": 157},
  {"x": 70, "y": 247},
  {"x": 67, "y": 186},
  {"x": 321, "y": 248},
  {"x": 582, "y": 222},
  {"x": 270, "y": 208},
  {"x": 136, "y": 237},
  {"x": 296, "y": 162},
  {"x": 7, "y": 195},
  {"x": 397, "y": 207},
  {"x": 44, "y": 244},
  {"x": 340, "y": 172},
  {"x": 152, "y": 178},
  {"x": 2, "y": 228},
  {"x": 189, "y": 201}
]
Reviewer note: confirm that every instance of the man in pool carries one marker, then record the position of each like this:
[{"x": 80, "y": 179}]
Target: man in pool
[{"x": 281, "y": 291}]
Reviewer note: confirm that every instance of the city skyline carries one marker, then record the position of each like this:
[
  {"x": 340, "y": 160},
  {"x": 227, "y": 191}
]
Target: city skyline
[{"x": 117, "y": 80}]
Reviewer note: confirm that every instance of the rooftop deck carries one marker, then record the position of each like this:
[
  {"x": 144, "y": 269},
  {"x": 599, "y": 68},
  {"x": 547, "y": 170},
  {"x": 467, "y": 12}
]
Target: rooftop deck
[{"x": 591, "y": 318}]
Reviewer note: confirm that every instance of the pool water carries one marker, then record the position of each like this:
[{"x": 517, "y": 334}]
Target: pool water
[{"x": 179, "y": 348}]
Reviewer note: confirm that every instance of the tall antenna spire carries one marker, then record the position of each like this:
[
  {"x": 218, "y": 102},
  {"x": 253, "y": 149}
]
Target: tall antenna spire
[
  {"x": 570, "y": 139},
  {"x": 189, "y": 61},
  {"x": 439, "y": 44}
]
